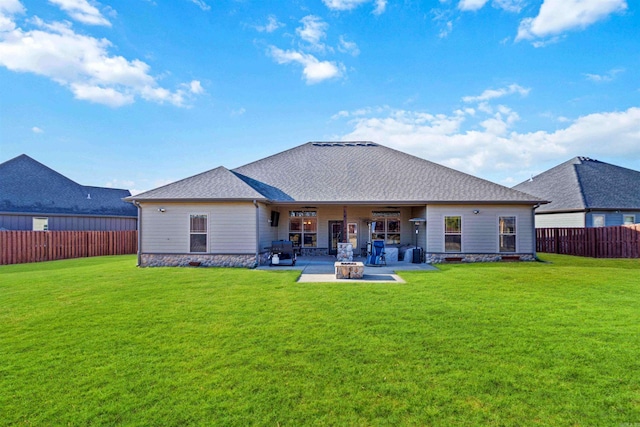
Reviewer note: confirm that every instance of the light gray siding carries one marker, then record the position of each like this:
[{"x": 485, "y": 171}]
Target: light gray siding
[
  {"x": 267, "y": 232},
  {"x": 562, "y": 220},
  {"x": 231, "y": 227},
  {"x": 480, "y": 231}
]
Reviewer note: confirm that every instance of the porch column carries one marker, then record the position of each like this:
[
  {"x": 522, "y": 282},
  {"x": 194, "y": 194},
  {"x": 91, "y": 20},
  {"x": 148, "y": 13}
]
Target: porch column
[{"x": 344, "y": 224}]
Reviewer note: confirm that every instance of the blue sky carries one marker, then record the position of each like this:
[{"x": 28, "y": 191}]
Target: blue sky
[{"x": 138, "y": 93}]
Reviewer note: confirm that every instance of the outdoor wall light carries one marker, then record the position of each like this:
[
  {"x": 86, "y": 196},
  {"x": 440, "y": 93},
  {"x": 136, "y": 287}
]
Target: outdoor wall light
[
  {"x": 162, "y": 210},
  {"x": 476, "y": 211}
]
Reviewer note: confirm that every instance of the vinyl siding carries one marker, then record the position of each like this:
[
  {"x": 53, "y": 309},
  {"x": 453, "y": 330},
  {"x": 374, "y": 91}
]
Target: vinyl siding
[
  {"x": 480, "y": 232},
  {"x": 231, "y": 227},
  {"x": 562, "y": 220},
  {"x": 267, "y": 232},
  {"x": 68, "y": 223}
]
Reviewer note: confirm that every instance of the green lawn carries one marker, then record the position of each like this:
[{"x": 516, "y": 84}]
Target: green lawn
[{"x": 100, "y": 342}]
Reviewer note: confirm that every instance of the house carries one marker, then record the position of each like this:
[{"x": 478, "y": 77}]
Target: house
[
  {"x": 585, "y": 193},
  {"x": 35, "y": 197},
  {"x": 321, "y": 193}
]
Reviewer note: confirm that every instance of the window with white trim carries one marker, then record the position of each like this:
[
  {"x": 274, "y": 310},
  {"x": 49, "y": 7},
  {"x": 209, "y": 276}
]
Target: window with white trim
[
  {"x": 507, "y": 233},
  {"x": 628, "y": 219},
  {"x": 198, "y": 233},
  {"x": 303, "y": 228},
  {"x": 598, "y": 221},
  {"x": 386, "y": 226},
  {"x": 40, "y": 224},
  {"x": 453, "y": 234}
]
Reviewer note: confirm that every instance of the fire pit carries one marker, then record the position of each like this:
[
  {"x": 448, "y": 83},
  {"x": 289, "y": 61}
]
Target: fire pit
[{"x": 349, "y": 270}]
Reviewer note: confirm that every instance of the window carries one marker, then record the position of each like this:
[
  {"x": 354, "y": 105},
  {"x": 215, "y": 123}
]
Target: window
[
  {"x": 507, "y": 230},
  {"x": 303, "y": 228},
  {"x": 40, "y": 224},
  {"x": 198, "y": 233},
  {"x": 352, "y": 234},
  {"x": 386, "y": 226},
  {"x": 598, "y": 221},
  {"x": 453, "y": 234},
  {"x": 628, "y": 219}
]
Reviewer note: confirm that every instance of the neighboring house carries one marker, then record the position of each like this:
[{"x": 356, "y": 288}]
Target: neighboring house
[
  {"x": 586, "y": 193},
  {"x": 315, "y": 192},
  {"x": 35, "y": 197}
]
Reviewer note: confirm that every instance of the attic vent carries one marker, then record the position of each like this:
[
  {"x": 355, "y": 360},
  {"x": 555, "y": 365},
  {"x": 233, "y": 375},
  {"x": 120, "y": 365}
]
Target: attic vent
[{"x": 344, "y": 144}]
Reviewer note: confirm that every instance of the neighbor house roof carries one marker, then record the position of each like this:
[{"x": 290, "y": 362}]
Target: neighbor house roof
[
  {"x": 583, "y": 183},
  {"x": 342, "y": 172},
  {"x": 27, "y": 186}
]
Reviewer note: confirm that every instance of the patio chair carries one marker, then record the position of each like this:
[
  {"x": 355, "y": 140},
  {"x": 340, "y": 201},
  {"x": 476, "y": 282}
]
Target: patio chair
[
  {"x": 282, "y": 250},
  {"x": 377, "y": 255}
]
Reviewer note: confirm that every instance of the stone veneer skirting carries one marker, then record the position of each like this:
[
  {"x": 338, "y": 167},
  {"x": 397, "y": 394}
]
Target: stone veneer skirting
[
  {"x": 204, "y": 260},
  {"x": 437, "y": 258}
]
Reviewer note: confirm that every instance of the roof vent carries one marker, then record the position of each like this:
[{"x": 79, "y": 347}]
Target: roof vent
[{"x": 88, "y": 196}]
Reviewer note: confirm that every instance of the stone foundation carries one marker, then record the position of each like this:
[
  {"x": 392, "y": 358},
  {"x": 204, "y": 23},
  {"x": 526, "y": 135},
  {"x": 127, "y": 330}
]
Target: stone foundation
[
  {"x": 437, "y": 258},
  {"x": 199, "y": 260},
  {"x": 314, "y": 251}
]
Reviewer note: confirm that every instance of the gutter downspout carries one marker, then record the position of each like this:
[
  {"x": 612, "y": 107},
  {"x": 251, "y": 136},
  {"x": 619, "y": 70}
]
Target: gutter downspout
[
  {"x": 139, "y": 232},
  {"x": 257, "y": 233}
]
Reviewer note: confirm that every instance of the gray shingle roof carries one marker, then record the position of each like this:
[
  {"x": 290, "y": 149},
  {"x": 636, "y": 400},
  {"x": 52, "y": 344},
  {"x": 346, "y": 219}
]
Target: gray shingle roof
[
  {"x": 218, "y": 183},
  {"x": 27, "y": 186},
  {"x": 583, "y": 183},
  {"x": 343, "y": 172}
]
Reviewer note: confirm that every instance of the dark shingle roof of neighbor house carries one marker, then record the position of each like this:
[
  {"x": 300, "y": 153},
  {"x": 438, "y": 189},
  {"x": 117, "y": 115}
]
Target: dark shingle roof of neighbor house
[
  {"x": 27, "y": 186},
  {"x": 343, "y": 172},
  {"x": 583, "y": 183}
]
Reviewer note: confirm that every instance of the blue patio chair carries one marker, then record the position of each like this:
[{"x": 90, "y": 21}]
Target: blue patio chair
[{"x": 377, "y": 255}]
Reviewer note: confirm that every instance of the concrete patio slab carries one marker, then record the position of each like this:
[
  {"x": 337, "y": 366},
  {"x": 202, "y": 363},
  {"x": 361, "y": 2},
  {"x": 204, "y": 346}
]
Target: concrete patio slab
[{"x": 322, "y": 269}]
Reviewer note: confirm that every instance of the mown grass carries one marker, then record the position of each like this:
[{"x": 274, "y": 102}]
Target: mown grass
[{"x": 100, "y": 342}]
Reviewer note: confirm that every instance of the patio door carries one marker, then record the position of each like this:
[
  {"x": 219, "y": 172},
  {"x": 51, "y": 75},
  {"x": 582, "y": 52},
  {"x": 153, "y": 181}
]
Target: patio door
[{"x": 335, "y": 236}]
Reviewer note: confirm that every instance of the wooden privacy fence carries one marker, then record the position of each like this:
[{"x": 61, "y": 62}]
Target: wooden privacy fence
[
  {"x": 18, "y": 247},
  {"x": 598, "y": 242}
]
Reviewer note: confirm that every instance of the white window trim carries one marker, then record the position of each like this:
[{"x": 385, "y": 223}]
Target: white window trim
[
  {"x": 633, "y": 218},
  {"x": 46, "y": 224},
  {"x": 444, "y": 234},
  {"x": 593, "y": 220},
  {"x": 515, "y": 217},
  {"x": 189, "y": 233},
  {"x": 386, "y": 217}
]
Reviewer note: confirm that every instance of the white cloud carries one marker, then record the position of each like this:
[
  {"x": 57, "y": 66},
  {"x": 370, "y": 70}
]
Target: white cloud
[
  {"x": 36, "y": 129},
  {"x": 471, "y": 4},
  {"x": 82, "y": 11},
  {"x": 195, "y": 87},
  {"x": 488, "y": 146},
  {"x": 558, "y": 16},
  {"x": 508, "y": 5},
  {"x": 313, "y": 30},
  {"x": 238, "y": 112},
  {"x": 271, "y": 25},
  {"x": 348, "y": 47},
  {"x": 498, "y": 93},
  {"x": 81, "y": 63},
  {"x": 201, "y": 4},
  {"x": 380, "y": 5},
  {"x": 608, "y": 77},
  {"x": 314, "y": 70}
]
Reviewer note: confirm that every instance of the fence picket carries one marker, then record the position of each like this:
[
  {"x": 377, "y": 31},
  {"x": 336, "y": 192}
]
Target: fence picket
[
  {"x": 601, "y": 242},
  {"x": 17, "y": 247}
]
